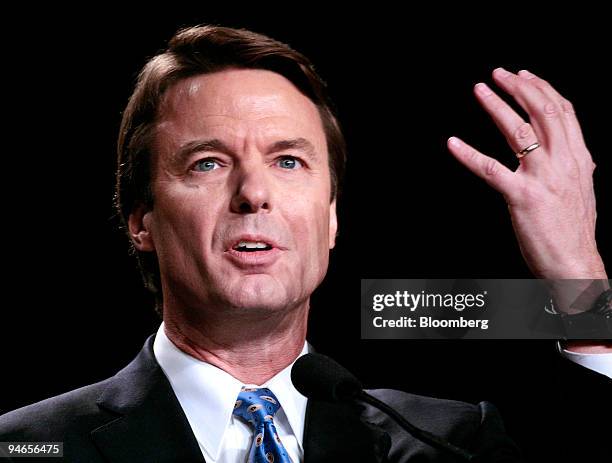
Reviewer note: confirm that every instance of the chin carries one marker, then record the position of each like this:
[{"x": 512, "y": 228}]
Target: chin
[{"x": 256, "y": 294}]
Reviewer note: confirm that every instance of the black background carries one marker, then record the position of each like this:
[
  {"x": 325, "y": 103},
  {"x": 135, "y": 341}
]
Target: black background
[{"x": 74, "y": 310}]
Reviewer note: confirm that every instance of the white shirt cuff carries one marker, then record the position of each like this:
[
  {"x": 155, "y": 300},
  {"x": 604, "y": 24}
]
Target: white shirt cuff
[{"x": 601, "y": 363}]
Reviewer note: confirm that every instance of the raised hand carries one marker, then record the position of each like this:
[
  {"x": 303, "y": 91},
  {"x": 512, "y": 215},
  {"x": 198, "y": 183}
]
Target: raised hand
[{"x": 550, "y": 195}]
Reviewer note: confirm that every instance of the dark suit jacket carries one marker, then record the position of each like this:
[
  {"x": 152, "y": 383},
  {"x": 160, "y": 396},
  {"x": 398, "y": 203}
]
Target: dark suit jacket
[{"x": 135, "y": 417}]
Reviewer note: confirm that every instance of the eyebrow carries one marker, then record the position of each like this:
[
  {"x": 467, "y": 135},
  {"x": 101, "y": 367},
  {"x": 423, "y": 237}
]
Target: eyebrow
[
  {"x": 298, "y": 144},
  {"x": 214, "y": 144}
]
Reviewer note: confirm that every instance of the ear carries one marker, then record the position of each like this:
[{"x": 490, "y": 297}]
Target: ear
[
  {"x": 139, "y": 228},
  {"x": 333, "y": 224}
]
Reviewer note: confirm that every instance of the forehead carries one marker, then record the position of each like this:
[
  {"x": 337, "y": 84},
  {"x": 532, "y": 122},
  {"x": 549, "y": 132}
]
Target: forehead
[{"x": 238, "y": 103}]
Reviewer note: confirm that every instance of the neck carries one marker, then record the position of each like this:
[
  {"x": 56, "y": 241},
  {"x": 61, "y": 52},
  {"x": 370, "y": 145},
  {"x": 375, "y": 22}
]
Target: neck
[{"x": 251, "y": 349}]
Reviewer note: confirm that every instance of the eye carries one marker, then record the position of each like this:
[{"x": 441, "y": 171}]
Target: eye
[
  {"x": 289, "y": 162},
  {"x": 205, "y": 165}
]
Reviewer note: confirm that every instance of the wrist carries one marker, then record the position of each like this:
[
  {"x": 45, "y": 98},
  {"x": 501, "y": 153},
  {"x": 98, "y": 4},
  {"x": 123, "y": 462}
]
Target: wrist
[
  {"x": 590, "y": 267},
  {"x": 565, "y": 267},
  {"x": 573, "y": 296},
  {"x": 587, "y": 323}
]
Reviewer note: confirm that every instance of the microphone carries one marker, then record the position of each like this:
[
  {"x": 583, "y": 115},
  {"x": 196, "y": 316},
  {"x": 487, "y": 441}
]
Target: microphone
[{"x": 319, "y": 377}]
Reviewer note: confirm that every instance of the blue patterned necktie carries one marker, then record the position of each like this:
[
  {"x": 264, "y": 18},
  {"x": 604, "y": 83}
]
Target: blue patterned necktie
[{"x": 258, "y": 406}]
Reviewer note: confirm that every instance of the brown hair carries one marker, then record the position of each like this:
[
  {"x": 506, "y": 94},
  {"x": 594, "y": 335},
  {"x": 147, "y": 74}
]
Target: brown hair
[{"x": 195, "y": 51}]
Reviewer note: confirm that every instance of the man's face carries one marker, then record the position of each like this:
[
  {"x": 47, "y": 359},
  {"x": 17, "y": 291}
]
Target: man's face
[{"x": 241, "y": 184}]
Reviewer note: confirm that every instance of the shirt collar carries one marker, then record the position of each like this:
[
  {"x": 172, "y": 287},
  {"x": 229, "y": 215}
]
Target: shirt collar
[
  {"x": 192, "y": 379},
  {"x": 293, "y": 403}
]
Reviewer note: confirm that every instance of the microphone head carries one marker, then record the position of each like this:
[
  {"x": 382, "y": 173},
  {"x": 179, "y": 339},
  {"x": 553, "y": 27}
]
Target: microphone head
[{"x": 317, "y": 376}]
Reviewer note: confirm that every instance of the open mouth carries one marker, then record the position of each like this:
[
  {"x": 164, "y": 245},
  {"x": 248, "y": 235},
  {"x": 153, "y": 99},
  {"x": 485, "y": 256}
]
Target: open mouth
[
  {"x": 254, "y": 252},
  {"x": 252, "y": 246}
]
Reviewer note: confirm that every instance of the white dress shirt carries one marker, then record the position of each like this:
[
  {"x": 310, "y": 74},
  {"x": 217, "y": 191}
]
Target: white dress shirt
[
  {"x": 207, "y": 395},
  {"x": 601, "y": 363}
]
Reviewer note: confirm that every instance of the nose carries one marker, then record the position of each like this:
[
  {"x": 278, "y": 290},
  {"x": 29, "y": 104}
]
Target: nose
[{"x": 252, "y": 192}]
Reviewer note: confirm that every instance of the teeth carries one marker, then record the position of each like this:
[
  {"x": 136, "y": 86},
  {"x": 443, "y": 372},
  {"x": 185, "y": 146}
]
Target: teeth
[{"x": 252, "y": 245}]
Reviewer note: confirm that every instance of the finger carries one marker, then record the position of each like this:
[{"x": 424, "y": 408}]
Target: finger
[
  {"x": 490, "y": 170},
  {"x": 518, "y": 133},
  {"x": 575, "y": 139},
  {"x": 572, "y": 127},
  {"x": 543, "y": 113},
  {"x": 567, "y": 110}
]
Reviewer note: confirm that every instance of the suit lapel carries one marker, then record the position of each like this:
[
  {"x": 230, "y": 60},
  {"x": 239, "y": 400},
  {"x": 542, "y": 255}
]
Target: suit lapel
[
  {"x": 335, "y": 432},
  {"x": 150, "y": 424}
]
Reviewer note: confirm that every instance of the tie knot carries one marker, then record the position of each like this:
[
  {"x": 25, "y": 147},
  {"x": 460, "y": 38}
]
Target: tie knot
[{"x": 256, "y": 405}]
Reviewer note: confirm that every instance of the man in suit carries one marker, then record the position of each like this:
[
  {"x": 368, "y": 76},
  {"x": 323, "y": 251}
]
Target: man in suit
[{"x": 230, "y": 159}]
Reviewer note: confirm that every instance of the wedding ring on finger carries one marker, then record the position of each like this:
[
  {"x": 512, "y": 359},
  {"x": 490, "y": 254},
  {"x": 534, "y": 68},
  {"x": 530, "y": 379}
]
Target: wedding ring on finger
[{"x": 524, "y": 152}]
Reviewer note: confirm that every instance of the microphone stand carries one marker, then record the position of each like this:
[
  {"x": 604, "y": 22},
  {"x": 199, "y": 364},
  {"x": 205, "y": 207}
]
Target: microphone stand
[{"x": 421, "y": 434}]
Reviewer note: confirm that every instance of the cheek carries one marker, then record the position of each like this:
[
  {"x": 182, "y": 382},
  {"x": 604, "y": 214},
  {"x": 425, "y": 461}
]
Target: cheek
[
  {"x": 184, "y": 221},
  {"x": 311, "y": 231}
]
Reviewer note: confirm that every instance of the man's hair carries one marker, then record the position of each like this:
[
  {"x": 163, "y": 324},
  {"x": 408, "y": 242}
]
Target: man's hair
[{"x": 196, "y": 51}]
